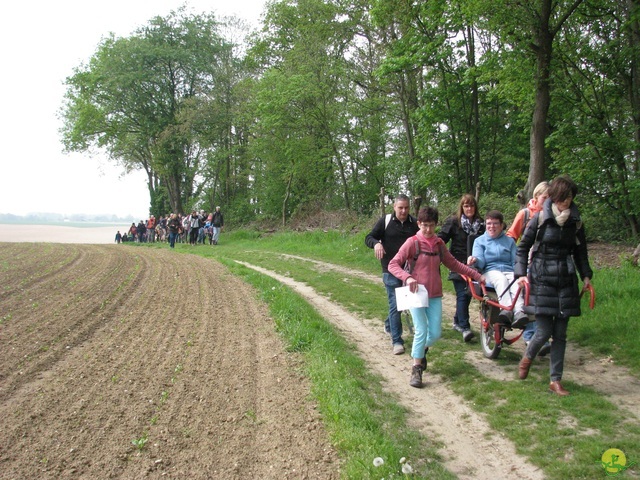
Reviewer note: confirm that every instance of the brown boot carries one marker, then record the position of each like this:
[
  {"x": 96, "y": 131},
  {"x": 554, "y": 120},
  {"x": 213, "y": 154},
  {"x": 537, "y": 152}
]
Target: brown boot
[
  {"x": 557, "y": 388},
  {"x": 523, "y": 367}
]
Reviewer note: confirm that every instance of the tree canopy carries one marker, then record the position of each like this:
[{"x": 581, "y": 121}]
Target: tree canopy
[{"x": 330, "y": 102}]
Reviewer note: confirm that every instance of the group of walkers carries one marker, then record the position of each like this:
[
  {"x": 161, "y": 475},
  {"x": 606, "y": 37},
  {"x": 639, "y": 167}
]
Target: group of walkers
[
  {"x": 545, "y": 247},
  {"x": 194, "y": 228}
]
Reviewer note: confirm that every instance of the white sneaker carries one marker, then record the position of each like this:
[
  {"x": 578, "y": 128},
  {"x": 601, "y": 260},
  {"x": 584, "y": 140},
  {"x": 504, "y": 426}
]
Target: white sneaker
[
  {"x": 398, "y": 349},
  {"x": 467, "y": 335}
]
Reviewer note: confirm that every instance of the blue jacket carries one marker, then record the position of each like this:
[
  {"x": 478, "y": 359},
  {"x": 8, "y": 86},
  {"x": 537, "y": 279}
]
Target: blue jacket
[{"x": 494, "y": 253}]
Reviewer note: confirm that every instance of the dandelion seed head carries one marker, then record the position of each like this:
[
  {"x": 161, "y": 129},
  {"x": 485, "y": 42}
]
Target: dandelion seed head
[
  {"x": 377, "y": 461},
  {"x": 402, "y": 460},
  {"x": 406, "y": 469}
]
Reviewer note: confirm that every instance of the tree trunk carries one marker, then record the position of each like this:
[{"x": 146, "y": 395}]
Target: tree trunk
[
  {"x": 285, "y": 201},
  {"x": 544, "y": 41},
  {"x": 634, "y": 93}
]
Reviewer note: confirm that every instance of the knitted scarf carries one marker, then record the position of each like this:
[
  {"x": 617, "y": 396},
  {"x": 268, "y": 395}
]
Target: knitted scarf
[
  {"x": 468, "y": 227},
  {"x": 561, "y": 217}
]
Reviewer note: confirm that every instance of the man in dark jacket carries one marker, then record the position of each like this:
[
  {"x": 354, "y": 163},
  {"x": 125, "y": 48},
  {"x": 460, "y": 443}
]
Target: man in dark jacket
[
  {"x": 387, "y": 236},
  {"x": 217, "y": 222}
]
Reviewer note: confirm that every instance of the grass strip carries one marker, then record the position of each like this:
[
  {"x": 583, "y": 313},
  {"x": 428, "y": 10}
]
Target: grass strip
[{"x": 364, "y": 421}]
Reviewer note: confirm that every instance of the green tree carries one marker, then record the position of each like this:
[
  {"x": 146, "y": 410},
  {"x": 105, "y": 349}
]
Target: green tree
[
  {"x": 136, "y": 97},
  {"x": 594, "y": 127},
  {"x": 531, "y": 29}
]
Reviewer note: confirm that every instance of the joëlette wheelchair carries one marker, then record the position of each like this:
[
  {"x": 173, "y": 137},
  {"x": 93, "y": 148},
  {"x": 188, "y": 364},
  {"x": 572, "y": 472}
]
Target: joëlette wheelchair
[{"x": 494, "y": 334}]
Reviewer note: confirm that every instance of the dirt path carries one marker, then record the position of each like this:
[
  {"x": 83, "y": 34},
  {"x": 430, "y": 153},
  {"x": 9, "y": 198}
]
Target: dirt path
[
  {"x": 435, "y": 409},
  {"x": 104, "y": 345},
  {"x": 466, "y": 435}
]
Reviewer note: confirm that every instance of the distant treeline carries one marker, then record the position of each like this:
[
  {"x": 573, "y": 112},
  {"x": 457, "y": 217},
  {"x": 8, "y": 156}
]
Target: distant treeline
[{"x": 44, "y": 218}]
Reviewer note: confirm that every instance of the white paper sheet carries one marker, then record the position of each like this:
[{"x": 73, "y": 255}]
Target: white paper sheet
[{"x": 406, "y": 300}]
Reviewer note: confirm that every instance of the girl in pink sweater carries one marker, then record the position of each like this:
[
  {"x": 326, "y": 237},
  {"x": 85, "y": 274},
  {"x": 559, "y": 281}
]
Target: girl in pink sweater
[{"x": 427, "y": 321}]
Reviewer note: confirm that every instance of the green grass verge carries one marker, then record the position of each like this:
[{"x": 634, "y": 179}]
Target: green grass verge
[{"x": 364, "y": 422}]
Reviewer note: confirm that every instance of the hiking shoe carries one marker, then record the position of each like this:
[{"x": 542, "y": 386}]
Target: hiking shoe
[
  {"x": 416, "y": 376},
  {"x": 520, "y": 321},
  {"x": 423, "y": 363},
  {"x": 467, "y": 335},
  {"x": 398, "y": 349},
  {"x": 505, "y": 317},
  {"x": 546, "y": 348}
]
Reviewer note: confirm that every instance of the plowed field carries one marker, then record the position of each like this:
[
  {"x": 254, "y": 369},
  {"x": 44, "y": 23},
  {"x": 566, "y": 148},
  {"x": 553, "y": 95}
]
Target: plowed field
[{"x": 140, "y": 363}]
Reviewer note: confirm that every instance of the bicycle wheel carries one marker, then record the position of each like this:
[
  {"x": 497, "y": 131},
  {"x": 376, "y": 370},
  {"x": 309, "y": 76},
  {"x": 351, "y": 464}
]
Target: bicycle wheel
[{"x": 490, "y": 347}]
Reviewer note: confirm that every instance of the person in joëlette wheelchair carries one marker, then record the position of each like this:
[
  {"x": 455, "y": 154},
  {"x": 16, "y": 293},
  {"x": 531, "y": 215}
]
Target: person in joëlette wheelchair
[{"x": 494, "y": 254}]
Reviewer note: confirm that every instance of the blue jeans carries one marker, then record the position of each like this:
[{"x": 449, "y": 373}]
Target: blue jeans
[
  {"x": 427, "y": 322},
  {"x": 550, "y": 327},
  {"x": 529, "y": 331},
  {"x": 393, "y": 323},
  {"x": 463, "y": 299},
  {"x": 216, "y": 234},
  {"x": 172, "y": 239}
]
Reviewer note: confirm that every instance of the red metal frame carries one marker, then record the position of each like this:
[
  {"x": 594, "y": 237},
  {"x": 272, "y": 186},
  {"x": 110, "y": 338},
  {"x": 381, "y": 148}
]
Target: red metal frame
[
  {"x": 592, "y": 295},
  {"x": 486, "y": 322}
]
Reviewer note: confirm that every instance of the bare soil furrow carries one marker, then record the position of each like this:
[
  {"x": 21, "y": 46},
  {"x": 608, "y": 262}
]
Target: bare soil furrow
[
  {"x": 65, "y": 317},
  {"x": 34, "y": 264},
  {"x": 176, "y": 357}
]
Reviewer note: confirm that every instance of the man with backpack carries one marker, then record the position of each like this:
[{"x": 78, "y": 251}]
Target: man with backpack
[{"x": 386, "y": 237}]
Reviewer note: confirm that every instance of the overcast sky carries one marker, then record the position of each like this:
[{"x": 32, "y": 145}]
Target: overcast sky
[{"x": 40, "y": 44}]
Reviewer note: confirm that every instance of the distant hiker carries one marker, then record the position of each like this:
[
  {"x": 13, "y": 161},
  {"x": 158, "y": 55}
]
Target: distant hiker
[
  {"x": 194, "y": 227},
  {"x": 142, "y": 230},
  {"x": 133, "y": 231},
  {"x": 386, "y": 237},
  {"x": 174, "y": 226},
  {"x": 151, "y": 229},
  {"x": 217, "y": 224},
  {"x": 118, "y": 237}
]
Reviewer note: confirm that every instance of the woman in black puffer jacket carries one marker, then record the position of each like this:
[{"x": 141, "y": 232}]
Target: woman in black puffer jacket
[{"x": 557, "y": 238}]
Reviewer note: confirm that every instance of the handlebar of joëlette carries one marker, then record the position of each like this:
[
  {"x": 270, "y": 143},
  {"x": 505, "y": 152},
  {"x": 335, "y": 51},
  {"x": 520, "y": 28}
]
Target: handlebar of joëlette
[
  {"x": 592, "y": 295},
  {"x": 485, "y": 297},
  {"x": 472, "y": 288}
]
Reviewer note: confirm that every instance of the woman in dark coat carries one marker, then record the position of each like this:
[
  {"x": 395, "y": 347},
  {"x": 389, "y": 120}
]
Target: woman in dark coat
[
  {"x": 461, "y": 229},
  {"x": 557, "y": 238}
]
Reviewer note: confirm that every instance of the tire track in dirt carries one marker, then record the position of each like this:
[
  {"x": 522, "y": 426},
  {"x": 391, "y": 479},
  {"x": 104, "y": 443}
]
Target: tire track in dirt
[
  {"x": 610, "y": 380},
  {"x": 181, "y": 355},
  {"x": 435, "y": 409}
]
